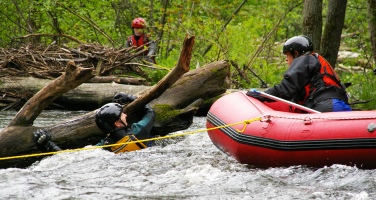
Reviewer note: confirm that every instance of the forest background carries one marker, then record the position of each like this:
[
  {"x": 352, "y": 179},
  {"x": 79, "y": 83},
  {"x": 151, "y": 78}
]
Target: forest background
[{"x": 249, "y": 34}]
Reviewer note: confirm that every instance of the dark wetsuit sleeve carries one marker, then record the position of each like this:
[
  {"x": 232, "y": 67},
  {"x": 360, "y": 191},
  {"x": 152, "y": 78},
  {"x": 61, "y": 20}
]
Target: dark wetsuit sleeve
[
  {"x": 142, "y": 128},
  {"x": 296, "y": 77}
]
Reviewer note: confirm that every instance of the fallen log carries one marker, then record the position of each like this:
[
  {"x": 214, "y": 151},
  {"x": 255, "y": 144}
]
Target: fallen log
[
  {"x": 176, "y": 107},
  {"x": 72, "y": 78},
  {"x": 17, "y": 138},
  {"x": 167, "y": 81},
  {"x": 119, "y": 80},
  {"x": 87, "y": 96}
]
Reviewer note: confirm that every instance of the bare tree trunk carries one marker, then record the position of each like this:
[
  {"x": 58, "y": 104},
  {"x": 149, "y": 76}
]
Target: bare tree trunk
[
  {"x": 151, "y": 17},
  {"x": 72, "y": 78},
  {"x": 312, "y": 22},
  {"x": 87, "y": 96},
  {"x": 176, "y": 107},
  {"x": 372, "y": 26},
  {"x": 333, "y": 30},
  {"x": 119, "y": 80},
  {"x": 162, "y": 22},
  {"x": 181, "y": 68}
]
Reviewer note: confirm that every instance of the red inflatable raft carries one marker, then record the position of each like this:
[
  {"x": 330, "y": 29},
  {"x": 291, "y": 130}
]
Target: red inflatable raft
[{"x": 269, "y": 135}]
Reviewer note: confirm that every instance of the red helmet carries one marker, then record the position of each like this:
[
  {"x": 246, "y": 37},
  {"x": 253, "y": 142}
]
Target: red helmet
[{"x": 139, "y": 23}]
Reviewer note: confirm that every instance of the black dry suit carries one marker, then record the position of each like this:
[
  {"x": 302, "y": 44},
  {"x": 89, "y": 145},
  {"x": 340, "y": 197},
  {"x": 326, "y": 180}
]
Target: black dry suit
[
  {"x": 140, "y": 130},
  {"x": 309, "y": 80}
]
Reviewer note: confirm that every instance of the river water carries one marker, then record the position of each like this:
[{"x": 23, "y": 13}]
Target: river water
[{"x": 185, "y": 167}]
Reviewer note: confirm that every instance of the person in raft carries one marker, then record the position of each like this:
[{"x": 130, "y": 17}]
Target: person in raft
[
  {"x": 113, "y": 123},
  {"x": 309, "y": 81},
  {"x": 139, "y": 38}
]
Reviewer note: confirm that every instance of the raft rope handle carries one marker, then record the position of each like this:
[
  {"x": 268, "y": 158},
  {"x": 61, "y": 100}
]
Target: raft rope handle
[{"x": 245, "y": 122}]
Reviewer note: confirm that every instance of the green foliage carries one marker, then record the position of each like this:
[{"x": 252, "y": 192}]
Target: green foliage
[
  {"x": 252, "y": 40},
  {"x": 357, "y": 39},
  {"x": 155, "y": 74},
  {"x": 363, "y": 88}
]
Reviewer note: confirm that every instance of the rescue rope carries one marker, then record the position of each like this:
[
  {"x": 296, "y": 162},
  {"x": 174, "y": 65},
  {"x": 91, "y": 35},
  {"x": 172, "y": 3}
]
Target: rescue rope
[
  {"x": 245, "y": 122},
  {"x": 248, "y": 122}
]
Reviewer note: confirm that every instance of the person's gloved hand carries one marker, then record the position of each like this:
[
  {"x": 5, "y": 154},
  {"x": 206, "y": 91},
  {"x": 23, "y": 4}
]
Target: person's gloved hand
[
  {"x": 253, "y": 93},
  {"x": 123, "y": 98},
  {"x": 41, "y": 137}
]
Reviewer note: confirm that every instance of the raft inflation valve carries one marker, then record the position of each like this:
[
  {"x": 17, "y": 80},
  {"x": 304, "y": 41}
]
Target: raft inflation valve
[
  {"x": 266, "y": 118},
  {"x": 307, "y": 120},
  {"x": 371, "y": 127}
]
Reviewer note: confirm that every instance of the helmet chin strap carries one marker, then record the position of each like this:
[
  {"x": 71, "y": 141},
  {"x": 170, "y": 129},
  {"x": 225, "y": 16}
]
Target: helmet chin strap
[
  {"x": 298, "y": 55},
  {"x": 295, "y": 54},
  {"x": 125, "y": 126}
]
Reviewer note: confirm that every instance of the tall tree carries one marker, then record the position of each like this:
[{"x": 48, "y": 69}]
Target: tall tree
[
  {"x": 333, "y": 29},
  {"x": 372, "y": 25},
  {"x": 162, "y": 23},
  {"x": 312, "y": 22}
]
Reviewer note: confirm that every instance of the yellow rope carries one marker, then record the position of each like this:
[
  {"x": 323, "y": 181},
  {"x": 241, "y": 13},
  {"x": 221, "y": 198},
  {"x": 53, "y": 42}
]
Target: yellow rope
[{"x": 245, "y": 122}]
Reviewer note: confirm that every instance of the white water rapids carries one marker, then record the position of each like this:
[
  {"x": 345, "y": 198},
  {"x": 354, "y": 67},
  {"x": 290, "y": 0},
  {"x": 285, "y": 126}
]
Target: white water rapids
[{"x": 188, "y": 167}]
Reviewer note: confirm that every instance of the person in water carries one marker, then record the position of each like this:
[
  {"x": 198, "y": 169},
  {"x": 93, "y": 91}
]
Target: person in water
[
  {"x": 309, "y": 81},
  {"x": 113, "y": 123}
]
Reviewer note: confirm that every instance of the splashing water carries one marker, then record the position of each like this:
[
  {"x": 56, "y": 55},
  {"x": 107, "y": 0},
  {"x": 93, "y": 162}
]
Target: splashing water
[{"x": 188, "y": 167}]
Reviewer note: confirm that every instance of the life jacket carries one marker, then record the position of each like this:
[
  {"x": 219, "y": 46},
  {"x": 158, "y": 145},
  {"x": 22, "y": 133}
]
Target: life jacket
[
  {"x": 325, "y": 78},
  {"x": 125, "y": 139},
  {"x": 144, "y": 39},
  {"x": 138, "y": 43},
  {"x": 126, "y": 144}
]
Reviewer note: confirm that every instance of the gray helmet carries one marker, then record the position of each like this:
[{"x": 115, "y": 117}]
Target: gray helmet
[
  {"x": 107, "y": 115},
  {"x": 302, "y": 44}
]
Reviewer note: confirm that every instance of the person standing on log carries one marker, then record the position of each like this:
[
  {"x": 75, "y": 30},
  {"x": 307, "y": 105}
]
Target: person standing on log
[
  {"x": 113, "y": 122},
  {"x": 140, "y": 39},
  {"x": 310, "y": 80}
]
